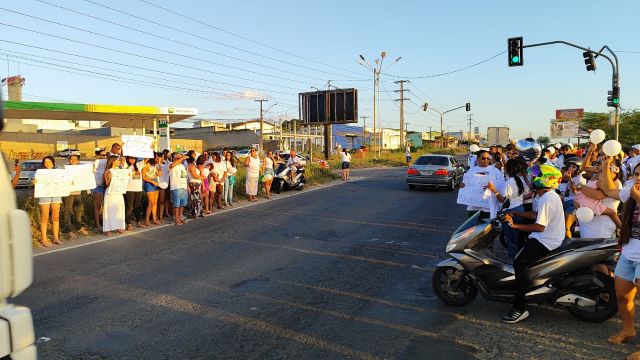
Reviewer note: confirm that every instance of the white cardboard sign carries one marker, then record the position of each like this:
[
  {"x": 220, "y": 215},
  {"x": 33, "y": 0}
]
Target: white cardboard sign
[
  {"x": 119, "y": 181},
  {"x": 51, "y": 183},
  {"x": 137, "y": 146},
  {"x": 81, "y": 176},
  {"x": 474, "y": 193}
]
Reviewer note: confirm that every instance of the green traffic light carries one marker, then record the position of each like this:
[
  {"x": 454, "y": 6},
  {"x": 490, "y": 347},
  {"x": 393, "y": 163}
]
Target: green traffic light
[
  {"x": 515, "y": 59},
  {"x": 616, "y": 101}
]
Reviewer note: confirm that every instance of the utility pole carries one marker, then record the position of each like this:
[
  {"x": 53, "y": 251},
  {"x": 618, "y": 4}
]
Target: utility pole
[
  {"x": 401, "y": 91},
  {"x": 469, "y": 139},
  {"x": 261, "y": 124},
  {"x": 364, "y": 128}
]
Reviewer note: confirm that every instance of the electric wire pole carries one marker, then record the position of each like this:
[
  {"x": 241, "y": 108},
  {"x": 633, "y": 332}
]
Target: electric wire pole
[
  {"x": 364, "y": 128},
  {"x": 261, "y": 123},
  {"x": 401, "y": 91}
]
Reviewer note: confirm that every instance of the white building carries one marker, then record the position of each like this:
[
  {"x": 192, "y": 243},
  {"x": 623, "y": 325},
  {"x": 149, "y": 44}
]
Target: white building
[{"x": 254, "y": 125}]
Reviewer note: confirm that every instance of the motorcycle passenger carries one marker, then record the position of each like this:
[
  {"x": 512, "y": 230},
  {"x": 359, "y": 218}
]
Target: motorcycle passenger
[
  {"x": 547, "y": 233},
  {"x": 293, "y": 163}
]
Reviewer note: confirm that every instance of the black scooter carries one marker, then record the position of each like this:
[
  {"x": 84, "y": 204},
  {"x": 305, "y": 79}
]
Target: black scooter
[{"x": 574, "y": 276}]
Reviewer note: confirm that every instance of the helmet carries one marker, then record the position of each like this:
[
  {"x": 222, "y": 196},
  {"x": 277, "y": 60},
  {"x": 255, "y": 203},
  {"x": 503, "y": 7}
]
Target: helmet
[
  {"x": 545, "y": 176},
  {"x": 575, "y": 160}
]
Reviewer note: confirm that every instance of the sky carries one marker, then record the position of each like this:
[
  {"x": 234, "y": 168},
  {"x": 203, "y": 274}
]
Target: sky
[{"x": 219, "y": 56}]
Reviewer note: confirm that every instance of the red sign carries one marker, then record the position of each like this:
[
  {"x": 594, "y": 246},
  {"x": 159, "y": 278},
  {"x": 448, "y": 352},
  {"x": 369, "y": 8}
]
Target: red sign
[{"x": 569, "y": 114}]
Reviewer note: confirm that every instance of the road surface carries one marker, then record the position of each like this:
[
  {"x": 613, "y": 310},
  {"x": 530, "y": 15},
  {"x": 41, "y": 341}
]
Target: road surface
[{"x": 328, "y": 273}]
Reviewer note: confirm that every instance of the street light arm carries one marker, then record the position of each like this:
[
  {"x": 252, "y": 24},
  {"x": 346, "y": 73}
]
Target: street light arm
[
  {"x": 614, "y": 66},
  {"x": 269, "y": 109}
]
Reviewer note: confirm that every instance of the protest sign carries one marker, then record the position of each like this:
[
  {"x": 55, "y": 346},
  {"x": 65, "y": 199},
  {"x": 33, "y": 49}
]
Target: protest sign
[
  {"x": 98, "y": 167},
  {"x": 119, "y": 181},
  {"x": 81, "y": 176},
  {"x": 137, "y": 146},
  {"x": 474, "y": 193},
  {"x": 51, "y": 183}
]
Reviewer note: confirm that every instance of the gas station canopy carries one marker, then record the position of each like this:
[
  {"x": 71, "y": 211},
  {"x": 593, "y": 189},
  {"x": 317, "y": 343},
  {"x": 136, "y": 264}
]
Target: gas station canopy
[{"x": 114, "y": 115}]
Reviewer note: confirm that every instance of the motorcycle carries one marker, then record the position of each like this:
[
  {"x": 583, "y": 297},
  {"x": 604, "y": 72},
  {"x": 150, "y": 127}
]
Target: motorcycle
[
  {"x": 574, "y": 276},
  {"x": 282, "y": 180}
]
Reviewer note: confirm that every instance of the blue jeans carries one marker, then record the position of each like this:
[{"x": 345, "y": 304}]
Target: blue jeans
[
  {"x": 511, "y": 235},
  {"x": 227, "y": 191}
]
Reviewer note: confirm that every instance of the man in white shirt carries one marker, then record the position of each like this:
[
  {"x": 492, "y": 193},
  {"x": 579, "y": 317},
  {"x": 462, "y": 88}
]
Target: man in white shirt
[
  {"x": 547, "y": 234},
  {"x": 178, "y": 185},
  {"x": 293, "y": 163},
  {"x": 484, "y": 168}
]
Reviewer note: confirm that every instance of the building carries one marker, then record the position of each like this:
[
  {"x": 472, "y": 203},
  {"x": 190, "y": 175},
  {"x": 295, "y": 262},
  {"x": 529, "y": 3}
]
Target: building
[
  {"x": 497, "y": 135},
  {"x": 390, "y": 139},
  {"x": 415, "y": 138},
  {"x": 254, "y": 125},
  {"x": 216, "y": 125},
  {"x": 348, "y": 136}
]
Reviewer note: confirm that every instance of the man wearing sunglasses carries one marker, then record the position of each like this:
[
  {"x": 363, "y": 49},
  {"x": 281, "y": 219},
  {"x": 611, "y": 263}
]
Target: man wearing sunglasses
[{"x": 483, "y": 167}]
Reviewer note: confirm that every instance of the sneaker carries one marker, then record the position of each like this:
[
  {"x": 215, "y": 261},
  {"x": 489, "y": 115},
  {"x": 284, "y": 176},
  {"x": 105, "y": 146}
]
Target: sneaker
[{"x": 515, "y": 316}]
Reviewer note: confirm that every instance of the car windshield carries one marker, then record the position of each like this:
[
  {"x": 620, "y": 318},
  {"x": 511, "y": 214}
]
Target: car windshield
[
  {"x": 432, "y": 160},
  {"x": 30, "y": 166}
]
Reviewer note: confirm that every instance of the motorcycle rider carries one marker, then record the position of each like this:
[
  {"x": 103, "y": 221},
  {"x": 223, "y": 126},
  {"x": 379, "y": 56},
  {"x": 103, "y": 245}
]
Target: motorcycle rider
[
  {"x": 547, "y": 233},
  {"x": 293, "y": 163}
]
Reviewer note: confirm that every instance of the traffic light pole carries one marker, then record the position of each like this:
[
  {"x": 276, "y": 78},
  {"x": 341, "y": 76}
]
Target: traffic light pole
[
  {"x": 442, "y": 122},
  {"x": 614, "y": 64}
]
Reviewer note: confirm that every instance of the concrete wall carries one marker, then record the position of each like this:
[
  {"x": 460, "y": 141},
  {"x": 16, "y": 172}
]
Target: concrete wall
[{"x": 218, "y": 140}]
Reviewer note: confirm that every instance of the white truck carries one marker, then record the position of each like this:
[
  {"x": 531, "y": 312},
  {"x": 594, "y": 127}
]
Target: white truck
[{"x": 17, "y": 338}]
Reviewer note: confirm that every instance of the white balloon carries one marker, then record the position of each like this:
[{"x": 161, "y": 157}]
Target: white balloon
[
  {"x": 584, "y": 214},
  {"x": 597, "y": 136},
  {"x": 163, "y": 185},
  {"x": 474, "y": 148},
  {"x": 612, "y": 148},
  {"x": 559, "y": 145}
]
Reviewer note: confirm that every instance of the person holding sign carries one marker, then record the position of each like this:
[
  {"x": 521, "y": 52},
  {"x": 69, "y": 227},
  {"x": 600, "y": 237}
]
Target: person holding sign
[
  {"x": 484, "y": 170},
  {"x": 73, "y": 207},
  {"x": 98, "y": 193},
  {"x": 49, "y": 205},
  {"x": 114, "y": 211},
  {"x": 133, "y": 197}
]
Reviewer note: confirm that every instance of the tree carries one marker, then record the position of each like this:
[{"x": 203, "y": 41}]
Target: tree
[
  {"x": 543, "y": 140},
  {"x": 629, "y": 125}
]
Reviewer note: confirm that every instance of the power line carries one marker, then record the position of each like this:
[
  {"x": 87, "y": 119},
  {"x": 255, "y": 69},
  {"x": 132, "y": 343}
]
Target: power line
[
  {"x": 173, "y": 40},
  {"x": 132, "y": 66},
  {"x": 240, "y": 36},
  {"x": 445, "y": 73},
  {"x": 154, "y": 48}
]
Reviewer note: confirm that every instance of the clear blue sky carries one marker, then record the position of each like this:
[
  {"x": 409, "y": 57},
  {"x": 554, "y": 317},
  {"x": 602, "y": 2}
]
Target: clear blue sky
[{"x": 432, "y": 37}]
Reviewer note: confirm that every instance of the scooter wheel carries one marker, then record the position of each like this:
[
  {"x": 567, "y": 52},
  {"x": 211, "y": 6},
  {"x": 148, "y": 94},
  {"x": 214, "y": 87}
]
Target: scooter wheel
[
  {"x": 607, "y": 305},
  {"x": 453, "y": 286}
]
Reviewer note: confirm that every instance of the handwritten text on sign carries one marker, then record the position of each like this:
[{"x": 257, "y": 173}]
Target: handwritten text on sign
[
  {"x": 137, "y": 146},
  {"x": 119, "y": 181},
  {"x": 81, "y": 176},
  {"x": 474, "y": 192},
  {"x": 51, "y": 183}
]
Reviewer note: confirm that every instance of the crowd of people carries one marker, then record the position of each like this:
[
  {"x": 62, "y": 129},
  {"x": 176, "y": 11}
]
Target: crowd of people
[
  {"x": 159, "y": 189},
  {"x": 545, "y": 194}
]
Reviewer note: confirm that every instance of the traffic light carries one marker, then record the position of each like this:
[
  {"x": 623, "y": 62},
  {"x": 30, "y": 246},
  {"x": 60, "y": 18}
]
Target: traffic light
[
  {"x": 425, "y": 106},
  {"x": 589, "y": 60},
  {"x": 613, "y": 100},
  {"x": 468, "y": 106},
  {"x": 515, "y": 51}
]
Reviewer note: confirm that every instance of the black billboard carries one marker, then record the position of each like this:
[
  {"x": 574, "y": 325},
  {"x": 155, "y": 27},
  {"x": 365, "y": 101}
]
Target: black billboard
[{"x": 339, "y": 106}]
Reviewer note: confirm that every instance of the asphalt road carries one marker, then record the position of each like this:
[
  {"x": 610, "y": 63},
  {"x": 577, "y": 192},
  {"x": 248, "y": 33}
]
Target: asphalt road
[{"x": 333, "y": 273}]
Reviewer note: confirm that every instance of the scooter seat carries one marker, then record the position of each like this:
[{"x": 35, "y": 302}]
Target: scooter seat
[{"x": 572, "y": 244}]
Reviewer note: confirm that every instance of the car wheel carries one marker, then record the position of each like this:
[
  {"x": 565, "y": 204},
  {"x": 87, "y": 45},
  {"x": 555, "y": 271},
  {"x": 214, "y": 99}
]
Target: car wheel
[
  {"x": 452, "y": 185},
  {"x": 412, "y": 187}
]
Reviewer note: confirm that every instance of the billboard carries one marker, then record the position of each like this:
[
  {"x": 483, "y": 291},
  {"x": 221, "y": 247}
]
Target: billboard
[
  {"x": 564, "y": 128},
  {"x": 569, "y": 114},
  {"x": 339, "y": 106}
]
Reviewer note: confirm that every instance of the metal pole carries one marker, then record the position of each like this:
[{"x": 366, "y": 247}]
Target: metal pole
[
  {"x": 155, "y": 135},
  {"x": 441, "y": 132},
  {"x": 374, "y": 140}
]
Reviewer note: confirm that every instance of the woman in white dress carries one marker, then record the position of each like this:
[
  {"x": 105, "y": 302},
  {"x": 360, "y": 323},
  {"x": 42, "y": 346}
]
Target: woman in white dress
[
  {"x": 113, "y": 216},
  {"x": 252, "y": 163},
  {"x": 269, "y": 173}
]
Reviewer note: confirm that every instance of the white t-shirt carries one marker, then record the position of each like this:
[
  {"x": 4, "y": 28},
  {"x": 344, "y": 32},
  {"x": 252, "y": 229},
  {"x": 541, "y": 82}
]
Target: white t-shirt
[
  {"x": 551, "y": 216},
  {"x": 135, "y": 182},
  {"x": 345, "y": 157},
  {"x": 565, "y": 189},
  {"x": 253, "y": 170},
  {"x": 220, "y": 168},
  {"x": 165, "y": 171},
  {"x": 231, "y": 170},
  {"x": 268, "y": 163},
  {"x": 495, "y": 177},
  {"x": 511, "y": 190},
  {"x": 178, "y": 177}
]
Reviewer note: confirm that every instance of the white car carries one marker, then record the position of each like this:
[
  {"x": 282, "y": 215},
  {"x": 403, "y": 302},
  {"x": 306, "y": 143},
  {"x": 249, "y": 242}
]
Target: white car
[
  {"x": 69, "y": 152},
  {"x": 28, "y": 172}
]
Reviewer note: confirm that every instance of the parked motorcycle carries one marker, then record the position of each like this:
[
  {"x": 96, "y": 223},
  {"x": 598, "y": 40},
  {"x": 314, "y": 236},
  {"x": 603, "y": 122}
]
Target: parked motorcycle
[
  {"x": 282, "y": 181},
  {"x": 571, "y": 277}
]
